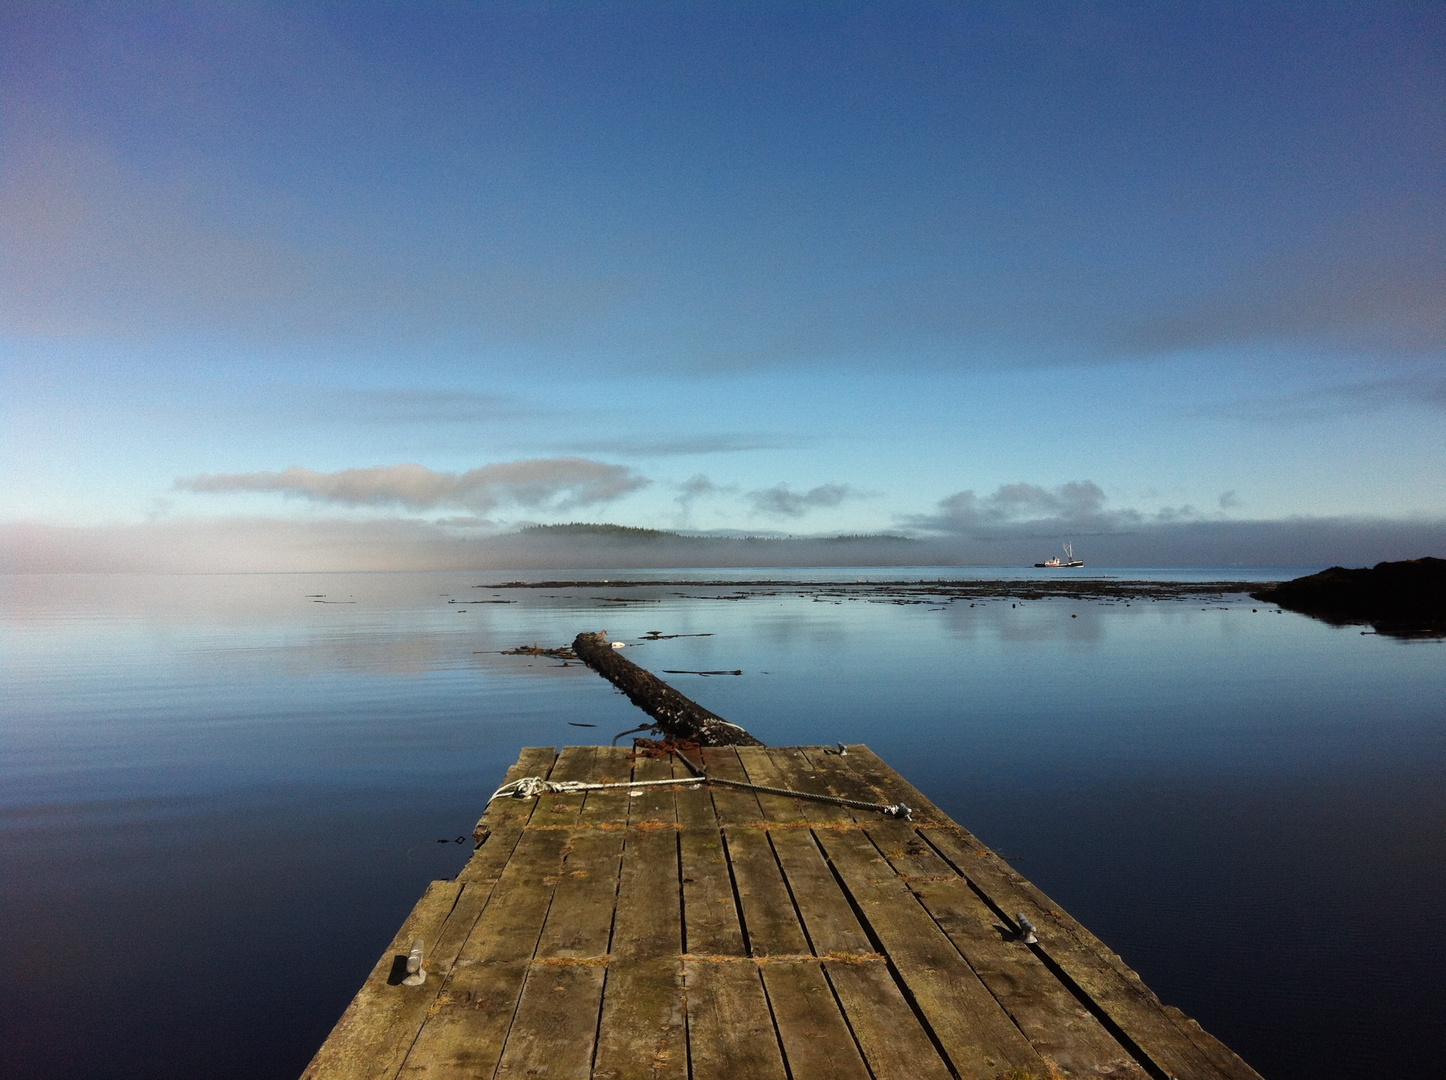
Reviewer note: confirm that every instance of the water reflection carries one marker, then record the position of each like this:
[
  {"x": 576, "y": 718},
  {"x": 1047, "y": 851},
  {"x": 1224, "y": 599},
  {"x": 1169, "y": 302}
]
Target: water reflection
[
  {"x": 218, "y": 771},
  {"x": 1037, "y": 621}
]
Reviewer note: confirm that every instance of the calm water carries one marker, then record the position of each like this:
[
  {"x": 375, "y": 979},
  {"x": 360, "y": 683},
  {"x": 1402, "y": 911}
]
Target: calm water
[{"x": 219, "y": 797}]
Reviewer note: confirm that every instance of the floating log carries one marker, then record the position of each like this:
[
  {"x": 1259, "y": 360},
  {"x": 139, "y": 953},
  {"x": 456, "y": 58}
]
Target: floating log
[{"x": 677, "y": 715}]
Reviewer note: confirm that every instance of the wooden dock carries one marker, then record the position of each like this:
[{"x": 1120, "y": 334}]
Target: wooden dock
[{"x": 693, "y": 933}]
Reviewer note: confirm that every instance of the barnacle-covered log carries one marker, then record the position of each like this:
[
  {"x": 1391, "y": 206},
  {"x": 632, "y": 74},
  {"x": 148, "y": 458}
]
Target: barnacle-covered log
[{"x": 677, "y": 715}]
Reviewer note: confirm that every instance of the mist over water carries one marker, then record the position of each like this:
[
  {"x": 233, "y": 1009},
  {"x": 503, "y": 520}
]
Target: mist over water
[{"x": 220, "y": 795}]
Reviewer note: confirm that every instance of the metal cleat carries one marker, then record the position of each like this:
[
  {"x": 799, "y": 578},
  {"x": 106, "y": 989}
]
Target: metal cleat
[{"x": 416, "y": 974}]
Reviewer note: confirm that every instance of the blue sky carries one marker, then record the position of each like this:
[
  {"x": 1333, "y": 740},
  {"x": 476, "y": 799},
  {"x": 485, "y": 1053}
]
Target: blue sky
[{"x": 809, "y": 268}]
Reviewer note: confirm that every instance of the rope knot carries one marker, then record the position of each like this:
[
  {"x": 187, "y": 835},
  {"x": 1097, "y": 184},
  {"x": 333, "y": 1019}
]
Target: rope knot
[{"x": 529, "y": 787}]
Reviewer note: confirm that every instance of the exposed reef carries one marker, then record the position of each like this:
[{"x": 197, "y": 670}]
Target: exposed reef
[{"x": 912, "y": 592}]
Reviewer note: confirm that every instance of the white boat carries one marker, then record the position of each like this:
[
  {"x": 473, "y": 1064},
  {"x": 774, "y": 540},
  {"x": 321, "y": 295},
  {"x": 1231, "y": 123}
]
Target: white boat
[{"x": 1068, "y": 560}]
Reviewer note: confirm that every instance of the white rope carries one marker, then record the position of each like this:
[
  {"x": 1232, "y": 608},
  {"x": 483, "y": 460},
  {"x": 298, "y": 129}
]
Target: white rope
[{"x": 529, "y": 787}]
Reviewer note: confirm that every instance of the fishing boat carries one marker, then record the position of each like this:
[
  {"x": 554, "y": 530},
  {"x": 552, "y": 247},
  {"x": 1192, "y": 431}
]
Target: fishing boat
[{"x": 1068, "y": 560}]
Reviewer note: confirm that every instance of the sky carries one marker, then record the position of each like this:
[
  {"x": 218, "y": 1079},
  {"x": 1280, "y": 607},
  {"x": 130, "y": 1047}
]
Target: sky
[{"x": 996, "y": 276}]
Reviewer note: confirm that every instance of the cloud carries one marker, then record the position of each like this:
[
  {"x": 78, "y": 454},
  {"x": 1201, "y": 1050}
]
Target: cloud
[
  {"x": 100, "y": 249},
  {"x": 1376, "y": 283},
  {"x": 538, "y": 483},
  {"x": 1229, "y": 500},
  {"x": 1164, "y": 515},
  {"x": 698, "y": 444},
  {"x": 97, "y": 248},
  {"x": 1079, "y": 503},
  {"x": 1420, "y": 389},
  {"x": 781, "y": 501},
  {"x": 943, "y": 264},
  {"x": 1028, "y": 511},
  {"x": 401, "y": 406},
  {"x": 698, "y": 487}
]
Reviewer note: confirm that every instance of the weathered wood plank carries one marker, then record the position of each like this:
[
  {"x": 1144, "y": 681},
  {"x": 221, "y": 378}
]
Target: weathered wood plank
[
  {"x": 613, "y": 764},
  {"x": 816, "y": 1039},
  {"x": 1116, "y": 992},
  {"x": 649, "y": 923},
  {"x": 828, "y": 918},
  {"x": 532, "y": 761},
  {"x": 959, "y": 1009},
  {"x": 643, "y": 1035},
  {"x": 378, "y": 1029},
  {"x": 467, "y": 1027},
  {"x": 862, "y": 774},
  {"x": 555, "y": 1027},
  {"x": 886, "y": 783},
  {"x": 731, "y": 806},
  {"x": 579, "y": 922},
  {"x": 710, "y": 917},
  {"x": 796, "y": 772},
  {"x": 372, "y": 1036},
  {"x": 1047, "y": 1012},
  {"x": 768, "y": 911},
  {"x": 893, "y": 1041},
  {"x": 895, "y": 1044},
  {"x": 565, "y": 808},
  {"x": 655, "y": 805},
  {"x": 1053, "y": 1020},
  {"x": 964, "y": 1017},
  {"x": 1179, "y": 1049},
  {"x": 730, "y": 1031},
  {"x": 759, "y": 768},
  {"x": 691, "y": 933},
  {"x": 553, "y": 1032},
  {"x": 730, "y": 1028}
]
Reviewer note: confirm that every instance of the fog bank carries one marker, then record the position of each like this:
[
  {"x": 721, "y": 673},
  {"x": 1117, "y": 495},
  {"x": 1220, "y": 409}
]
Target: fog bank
[{"x": 260, "y": 545}]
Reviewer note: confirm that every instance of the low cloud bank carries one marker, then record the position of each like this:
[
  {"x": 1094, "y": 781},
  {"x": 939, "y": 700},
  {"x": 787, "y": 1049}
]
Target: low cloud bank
[
  {"x": 253, "y": 545},
  {"x": 782, "y": 501},
  {"x": 257, "y": 545},
  {"x": 1024, "y": 523},
  {"x": 539, "y": 483},
  {"x": 1078, "y": 504},
  {"x": 1028, "y": 511}
]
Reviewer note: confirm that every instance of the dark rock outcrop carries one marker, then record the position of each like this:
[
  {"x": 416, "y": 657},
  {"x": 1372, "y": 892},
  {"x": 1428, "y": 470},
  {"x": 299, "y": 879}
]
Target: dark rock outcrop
[{"x": 1404, "y": 599}]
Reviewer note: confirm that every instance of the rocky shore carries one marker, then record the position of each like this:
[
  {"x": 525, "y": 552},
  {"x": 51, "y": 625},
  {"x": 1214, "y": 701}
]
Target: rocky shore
[{"x": 1404, "y": 599}]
